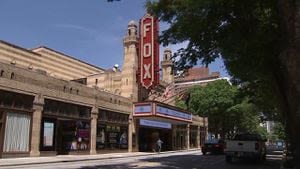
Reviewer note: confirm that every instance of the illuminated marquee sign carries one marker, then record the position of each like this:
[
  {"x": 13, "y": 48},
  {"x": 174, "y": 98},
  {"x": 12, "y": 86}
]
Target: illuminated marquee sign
[
  {"x": 143, "y": 109},
  {"x": 173, "y": 113},
  {"x": 152, "y": 123},
  {"x": 149, "y": 51}
]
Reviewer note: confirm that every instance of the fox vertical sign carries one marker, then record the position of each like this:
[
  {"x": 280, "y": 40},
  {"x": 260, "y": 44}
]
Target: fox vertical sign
[{"x": 149, "y": 51}]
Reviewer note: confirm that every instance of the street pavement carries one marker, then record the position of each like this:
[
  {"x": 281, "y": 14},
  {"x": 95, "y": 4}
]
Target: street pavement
[
  {"x": 192, "y": 159},
  {"x": 7, "y": 162}
]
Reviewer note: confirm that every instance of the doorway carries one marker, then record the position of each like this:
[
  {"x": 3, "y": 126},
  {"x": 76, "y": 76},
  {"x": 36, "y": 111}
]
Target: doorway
[{"x": 149, "y": 136}]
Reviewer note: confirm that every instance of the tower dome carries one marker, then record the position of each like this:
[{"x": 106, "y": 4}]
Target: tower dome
[{"x": 132, "y": 23}]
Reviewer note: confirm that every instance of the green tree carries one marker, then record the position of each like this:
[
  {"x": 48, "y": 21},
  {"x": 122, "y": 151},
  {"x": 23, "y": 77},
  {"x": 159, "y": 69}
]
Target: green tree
[
  {"x": 227, "y": 110},
  {"x": 212, "y": 101},
  {"x": 181, "y": 104},
  {"x": 246, "y": 116},
  {"x": 279, "y": 131},
  {"x": 258, "y": 41}
]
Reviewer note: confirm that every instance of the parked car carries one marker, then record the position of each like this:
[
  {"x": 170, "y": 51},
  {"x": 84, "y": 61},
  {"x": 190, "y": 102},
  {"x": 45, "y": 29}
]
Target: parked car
[
  {"x": 245, "y": 145},
  {"x": 213, "y": 146}
]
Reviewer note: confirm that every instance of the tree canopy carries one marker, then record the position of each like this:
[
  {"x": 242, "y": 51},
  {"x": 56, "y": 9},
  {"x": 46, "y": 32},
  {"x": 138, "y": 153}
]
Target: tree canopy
[
  {"x": 227, "y": 109},
  {"x": 244, "y": 33},
  {"x": 258, "y": 41}
]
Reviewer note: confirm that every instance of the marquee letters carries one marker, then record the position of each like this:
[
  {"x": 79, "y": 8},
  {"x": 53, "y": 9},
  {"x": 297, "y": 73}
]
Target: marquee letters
[{"x": 149, "y": 51}]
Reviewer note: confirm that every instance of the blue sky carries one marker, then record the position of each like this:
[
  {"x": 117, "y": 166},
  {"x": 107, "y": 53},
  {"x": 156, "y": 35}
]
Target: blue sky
[{"x": 89, "y": 30}]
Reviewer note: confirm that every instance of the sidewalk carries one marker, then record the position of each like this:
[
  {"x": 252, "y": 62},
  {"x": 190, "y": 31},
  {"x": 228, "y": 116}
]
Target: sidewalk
[{"x": 69, "y": 158}]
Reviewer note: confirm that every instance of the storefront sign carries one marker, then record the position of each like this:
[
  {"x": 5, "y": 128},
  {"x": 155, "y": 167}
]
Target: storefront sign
[
  {"x": 149, "y": 56},
  {"x": 84, "y": 133},
  {"x": 172, "y": 113},
  {"x": 152, "y": 123}
]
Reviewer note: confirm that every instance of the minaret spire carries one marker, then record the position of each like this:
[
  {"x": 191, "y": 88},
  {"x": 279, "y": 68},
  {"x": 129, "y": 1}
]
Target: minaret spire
[{"x": 130, "y": 64}]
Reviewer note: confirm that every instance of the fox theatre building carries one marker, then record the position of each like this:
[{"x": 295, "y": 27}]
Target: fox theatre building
[
  {"x": 152, "y": 120},
  {"x": 53, "y": 104}
]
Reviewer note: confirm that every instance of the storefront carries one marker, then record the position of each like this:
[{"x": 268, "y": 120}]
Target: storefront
[
  {"x": 15, "y": 124},
  {"x": 65, "y": 128},
  {"x": 153, "y": 121},
  {"x": 112, "y": 131}
]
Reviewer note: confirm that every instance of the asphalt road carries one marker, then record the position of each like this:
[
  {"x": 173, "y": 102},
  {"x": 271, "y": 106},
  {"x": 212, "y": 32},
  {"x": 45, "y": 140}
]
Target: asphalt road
[{"x": 184, "y": 160}]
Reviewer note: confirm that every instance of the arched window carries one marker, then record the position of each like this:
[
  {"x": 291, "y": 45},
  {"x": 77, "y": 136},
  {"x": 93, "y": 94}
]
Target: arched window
[
  {"x": 12, "y": 75},
  {"x": 2, "y": 72},
  {"x": 129, "y": 32}
]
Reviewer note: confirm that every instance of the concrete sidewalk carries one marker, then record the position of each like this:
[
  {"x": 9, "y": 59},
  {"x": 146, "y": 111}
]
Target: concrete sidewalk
[{"x": 69, "y": 158}]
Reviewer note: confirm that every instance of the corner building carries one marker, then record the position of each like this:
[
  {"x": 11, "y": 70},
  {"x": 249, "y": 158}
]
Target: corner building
[{"x": 52, "y": 103}]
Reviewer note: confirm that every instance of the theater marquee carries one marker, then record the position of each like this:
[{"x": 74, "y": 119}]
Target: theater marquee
[{"x": 149, "y": 51}]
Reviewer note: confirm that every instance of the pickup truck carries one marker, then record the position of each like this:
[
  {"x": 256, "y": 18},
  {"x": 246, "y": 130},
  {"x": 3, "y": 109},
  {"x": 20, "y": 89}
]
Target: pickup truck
[{"x": 245, "y": 146}]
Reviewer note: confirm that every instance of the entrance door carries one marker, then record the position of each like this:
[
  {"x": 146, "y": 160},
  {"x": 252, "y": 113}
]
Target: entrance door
[
  {"x": 66, "y": 136},
  {"x": 149, "y": 136}
]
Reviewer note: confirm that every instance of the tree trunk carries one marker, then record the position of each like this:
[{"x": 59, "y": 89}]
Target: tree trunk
[{"x": 290, "y": 61}]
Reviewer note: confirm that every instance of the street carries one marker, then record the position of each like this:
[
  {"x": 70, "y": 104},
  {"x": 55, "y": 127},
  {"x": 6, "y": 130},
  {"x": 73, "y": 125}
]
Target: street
[{"x": 186, "y": 160}]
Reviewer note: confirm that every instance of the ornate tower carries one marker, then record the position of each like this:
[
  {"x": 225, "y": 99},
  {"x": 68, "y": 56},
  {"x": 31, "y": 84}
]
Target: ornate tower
[
  {"x": 129, "y": 87},
  {"x": 167, "y": 67}
]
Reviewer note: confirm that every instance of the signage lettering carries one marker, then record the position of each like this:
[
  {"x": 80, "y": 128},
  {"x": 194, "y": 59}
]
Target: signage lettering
[
  {"x": 173, "y": 113},
  {"x": 149, "y": 54},
  {"x": 147, "y": 50},
  {"x": 147, "y": 71},
  {"x": 146, "y": 28}
]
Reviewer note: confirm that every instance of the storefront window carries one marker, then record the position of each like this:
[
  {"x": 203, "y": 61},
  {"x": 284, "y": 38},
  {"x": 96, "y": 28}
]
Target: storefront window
[
  {"x": 17, "y": 129},
  {"x": 48, "y": 134},
  {"x": 108, "y": 116},
  {"x": 76, "y": 135},
  {"x": 100, "y": 140},
  {"x": 112, "y": 137}
]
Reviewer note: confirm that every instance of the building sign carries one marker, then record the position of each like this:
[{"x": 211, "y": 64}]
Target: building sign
[
  {"x": 173, "y": 113},
  {"x": 155, "y": 109},
  {"x": 143, "y": 109},
  {"x": 152, "y": 123},
  {"x": 149, "y": 51}
]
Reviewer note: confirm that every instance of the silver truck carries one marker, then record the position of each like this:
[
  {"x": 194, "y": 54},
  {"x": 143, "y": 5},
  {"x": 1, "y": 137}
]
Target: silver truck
[{"x": 245, "y": 145}]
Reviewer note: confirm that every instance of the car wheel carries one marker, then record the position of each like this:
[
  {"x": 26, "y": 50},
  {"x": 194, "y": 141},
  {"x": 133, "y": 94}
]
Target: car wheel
[
  {"x": 203, "y": 152},
  {"x": 228, "y": 159}
]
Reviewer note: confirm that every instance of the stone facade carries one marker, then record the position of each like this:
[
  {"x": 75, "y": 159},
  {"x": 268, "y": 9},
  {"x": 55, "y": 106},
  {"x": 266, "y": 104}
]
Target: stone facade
[{"x": 57, "y": 89}]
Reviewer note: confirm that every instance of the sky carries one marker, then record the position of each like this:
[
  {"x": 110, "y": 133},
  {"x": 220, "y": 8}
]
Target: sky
[{"x": 89, "y": 30}]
